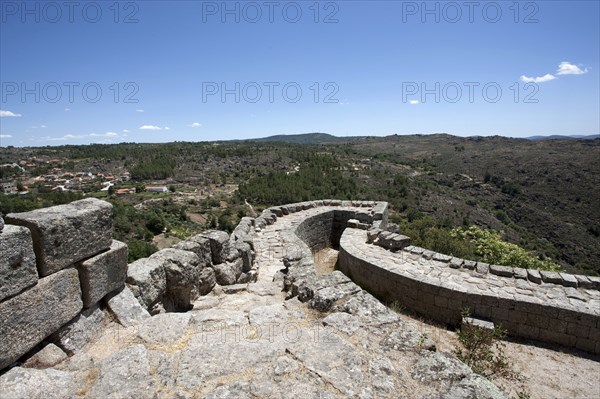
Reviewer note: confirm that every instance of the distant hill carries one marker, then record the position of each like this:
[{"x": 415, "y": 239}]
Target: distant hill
[
  {"x": 557, "y": 137},
  {"x": 305, "y": 138}
]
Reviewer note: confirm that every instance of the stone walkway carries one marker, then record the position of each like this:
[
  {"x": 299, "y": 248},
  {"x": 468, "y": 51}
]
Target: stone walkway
[{"x": 247, "y": 341}]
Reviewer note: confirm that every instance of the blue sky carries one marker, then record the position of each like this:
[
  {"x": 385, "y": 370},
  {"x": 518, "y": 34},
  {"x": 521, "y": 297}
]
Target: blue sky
[{"x": 197, "y": 70}]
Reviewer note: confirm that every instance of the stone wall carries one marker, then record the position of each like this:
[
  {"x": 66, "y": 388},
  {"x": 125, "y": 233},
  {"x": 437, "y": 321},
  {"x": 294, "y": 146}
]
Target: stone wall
[
  {"x": 550, "y": 307},
  {"x": 55, "y": 264},
  {"x": 440, "y": 287},
  {"x": 60, "y": 269}
]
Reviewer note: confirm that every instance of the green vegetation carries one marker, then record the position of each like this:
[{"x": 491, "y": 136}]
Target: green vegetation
[
  {"x": 543, "y": 195},
  {"x": 483, "y": 350},
  {"x": 489, "y": 247},
  {"x": 319, "y": 176}
]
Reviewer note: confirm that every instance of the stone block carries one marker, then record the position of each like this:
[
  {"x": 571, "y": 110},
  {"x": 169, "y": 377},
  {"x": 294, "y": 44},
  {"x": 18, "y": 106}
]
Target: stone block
[
  {"x": 28, "y": 318},
  {"x": 219, "y": 245},
  {"x": 502, "y": 271},
  {"x": 126, "y": 308},
  {"x": 182, "y": 270},
  {"x": 147, "y": 280},
  {"x": 17, "y": 261},
  {"x": 199, "y": 245},
  {"x": 469, "y": 264},
  {"x": 477, "y": 323},
  {"x": 66, "y": 234},
  {"x": 534, "y": 276},
  {"x": 103, "y": 273},
  {"x": 569, "y": 280},
  {"x": 81, "y": 330},
  {"x": 520, "y": 274},
  {"x": 584, "y": 282},
  {"x": 551, "y": 277}
]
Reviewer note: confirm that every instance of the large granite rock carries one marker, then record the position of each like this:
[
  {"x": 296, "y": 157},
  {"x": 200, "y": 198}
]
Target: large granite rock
[
  {"x": 65, "y": 234},
  {"x": 199, "y": 245},
  {"x": 219, "y": 245},
  {"x": 21, "y": 383},
  {"x": 147, "y": 280},
  {"x": 228, "y": 273},
  {"x": 126, "y": 308},
  {"x": 207, "y": 281},
  {"x": 81, "y": 330},
  {"x": 25, "y": 320},
  {"x": 17, "y": 261},
  {"x": 103, "y": 273},
  {"x": 182, "y": 270}
]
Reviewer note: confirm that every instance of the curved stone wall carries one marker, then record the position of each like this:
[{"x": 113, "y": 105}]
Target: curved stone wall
[{"x": 427, "y": 284}]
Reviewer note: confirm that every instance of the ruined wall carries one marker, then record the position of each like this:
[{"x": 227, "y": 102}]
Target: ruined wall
[
  {"x": 60, "y": 268},
  {"x": 56, "y": 264}
]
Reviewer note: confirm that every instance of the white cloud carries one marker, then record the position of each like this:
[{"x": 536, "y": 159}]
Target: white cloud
[
  {"x": 63, "y": 138},
  {"x": 541, "y": 79},
  {"x": 139, "y": 110},
  {"x": 566, "y": 68},
  {"x": 67, "y": 109},
  {"x": 107, "y": 134},
  {"x": 125, "y": 131},
  {"x": 6, "y": 114},
  {"x": 167, "y": 128},
  {"x": 43, "y": 126},
  {"x": 195, "y": 124},
  {"x": 413, "y": 102},
  {"x": 150, "y": 127},
  {"x": 5, "y": 136}
]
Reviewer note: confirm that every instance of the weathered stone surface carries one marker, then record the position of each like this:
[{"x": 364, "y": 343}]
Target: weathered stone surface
[
  {"x": 182, "y": 270},
  {"x": 534, "y": 276},
  {"x": 228, "y": 273},
  {"x": 369, "y": 310},
  {"x": 215, "y": 319},
  {"x": 164, "y": 328},
  {"x": 211, "y": 355},
  {"x": 551, "y": 277},
  {"x": 199, "y": 245},
  {"x": 502, "y": 271},
  {"x": 126, "y": 308},
  {"x": 333, "y": 359},
  {"x": 103, "y": 273},
  {"x": 65, "y": 234},
  {"x": 125, "y": 374},
  {"x": 21, "y": 383},
  {"x": 436, "y": 366},
  {"x": 50, "y": 356},
  {"x": 147, "y": 280},
  {"x": 81, "y": 330},
  {"x": 569, "y": 280},
  {"x": 520, "y": 273},
  {"x": 470, "y": 322},
  {"x": 343, "y": 322},
  {"x": 406, "y": 337},
  {"x": 1, "y": 223},
  {"x": 473, "y": 386},
  {"x": 17, "y": 261},
  {"x": 219, "y": 245},
  {"x": 25, "y": 320},
  {"x": 206, "y": 281}
]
